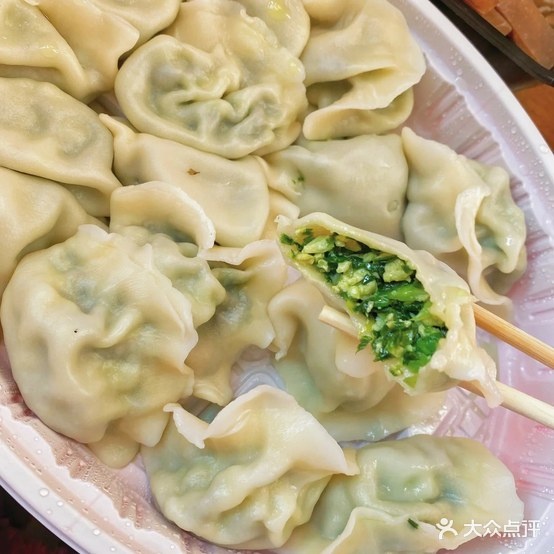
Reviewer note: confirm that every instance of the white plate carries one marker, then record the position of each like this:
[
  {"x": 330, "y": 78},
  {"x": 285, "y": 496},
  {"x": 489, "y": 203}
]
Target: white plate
[{"x": 460, "y": 102}]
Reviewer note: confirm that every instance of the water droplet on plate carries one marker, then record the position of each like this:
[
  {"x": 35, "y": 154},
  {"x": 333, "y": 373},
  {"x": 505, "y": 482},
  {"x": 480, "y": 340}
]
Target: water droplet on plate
[{"x": 44, "y": 492}]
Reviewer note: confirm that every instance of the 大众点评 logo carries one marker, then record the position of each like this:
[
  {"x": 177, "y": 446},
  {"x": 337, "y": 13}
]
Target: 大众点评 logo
[{"x": 522, "y": 529}]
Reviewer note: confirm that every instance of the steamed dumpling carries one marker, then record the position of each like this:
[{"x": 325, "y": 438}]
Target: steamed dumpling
[
  {"x": 250, "y": 276},
  {"x": 146, "y": 16},
  {"x": 405, "y": 493},
  {"x": 35, "y": 213},
  {"x": 361, "y": 181},
  {"x": 279, "y": 204},
  {"x": 361, "y": 63},
  {"x": 231, "y": 91},
  {"x": 288, "y": 19},
  {"x": 462, "y": 211},
  {"x": 57, "y": 41},
  {"x": 249, "y": 477},
  {"x": 161, "y": 208},
  {"x": 97, "y": 339},
  {"x": 413, "y": 311},
  {"x": 176, "y": 227},
  {"x": 47, "y": 133},
  {"x": 232, "y": 193}
]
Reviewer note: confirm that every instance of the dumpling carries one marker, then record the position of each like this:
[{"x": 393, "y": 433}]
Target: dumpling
[
  {"x": 462, "y": 211},
  {"x": 361, "y": 181},
  {"x": 416, "y": 495},
  {"x": 146, "y": 16},
  {"x": 232, "y": 91},
  {"x": 397, "y": 411},
  {"x": 361, "y": 63},
  {"x": 249, "y": 477},
  {"x": 34, "y": 214},
  {"x": 288, "y": 19},
  {"x": 176, "y": 227},
  {"x": 161, "y": 208},
  {"x": 345, "y": 389},
  {"x": 57, "y": 41},
  {"x": 97, "y": 340},
  {"x": 336, "y": 375},
  {"x": 232, "y": 193},
  {"x": 47, "y": 133},
  {"x": 250, "y": 276},
  {"x": 413, "y": 311}
]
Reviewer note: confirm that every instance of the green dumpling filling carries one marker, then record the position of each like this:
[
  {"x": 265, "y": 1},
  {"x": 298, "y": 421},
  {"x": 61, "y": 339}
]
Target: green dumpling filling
[{"x": 383, "y": 288}]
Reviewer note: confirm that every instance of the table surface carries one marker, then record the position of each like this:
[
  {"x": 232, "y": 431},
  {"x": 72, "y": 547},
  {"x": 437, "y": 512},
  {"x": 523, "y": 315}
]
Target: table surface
[{"x": 538, "y": 101}]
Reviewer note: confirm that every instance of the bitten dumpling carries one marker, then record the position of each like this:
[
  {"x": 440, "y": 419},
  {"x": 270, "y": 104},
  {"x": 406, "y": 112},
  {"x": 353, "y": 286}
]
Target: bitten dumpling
[
  {"x": 47, "y": 133},
  {"x": 97, "y": 339},
  {"x": 413, "y": 311},
  {"x": 417, "y": 495},
  {"x": 231, "y": 91},
  {"x": 462, "y": 211},
  {"x": 249, "y": 477},
  {"x": 361, "y": 63}
]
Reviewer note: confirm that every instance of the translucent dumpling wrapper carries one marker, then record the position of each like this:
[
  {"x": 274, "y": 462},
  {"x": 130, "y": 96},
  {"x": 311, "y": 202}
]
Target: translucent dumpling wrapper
[
  {"x": 35, "y": 213},
  {"x": 233, "y": 193},
  {"x": 361, "y": 63},
  {"x": 97, "y": 340},
  {"x": 161, "y": 208},
  {"x": 177, "y": 228},
  {"x": 47, "y": 133},
  {"x": 462, "y": 211},
  {"x": 57, "y": 41},
  {"x": 249, "y": 477},
  {"x": 417, "y": 495},
  {"x": 413, "y": 311},
  {"x": 345, "y": 389},
  {"x": 361, "y": 181},
  {"x": 148, "y": 17},
  {"x": 233, "y": 91},
  {"x": 288, "y": 19},
  {"x": 279, "y": 204},
  {"x": 250, "y": 276}
]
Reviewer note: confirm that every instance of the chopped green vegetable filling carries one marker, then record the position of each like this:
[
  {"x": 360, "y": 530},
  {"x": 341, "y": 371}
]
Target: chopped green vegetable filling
[
  {"x": 413, "y": 523},
  {"x": 383, "y": 288}
]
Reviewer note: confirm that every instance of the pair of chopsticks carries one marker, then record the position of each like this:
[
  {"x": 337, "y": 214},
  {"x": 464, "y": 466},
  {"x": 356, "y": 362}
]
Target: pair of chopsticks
[{"x": 512, "y": 399}]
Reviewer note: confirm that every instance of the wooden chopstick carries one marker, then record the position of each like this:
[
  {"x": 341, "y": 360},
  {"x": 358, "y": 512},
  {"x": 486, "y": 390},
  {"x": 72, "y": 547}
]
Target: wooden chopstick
[
  {"x": 513, "y": 336},
  {"x": 512, "y": 399},
  {"x": 519, "y": 402}
]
